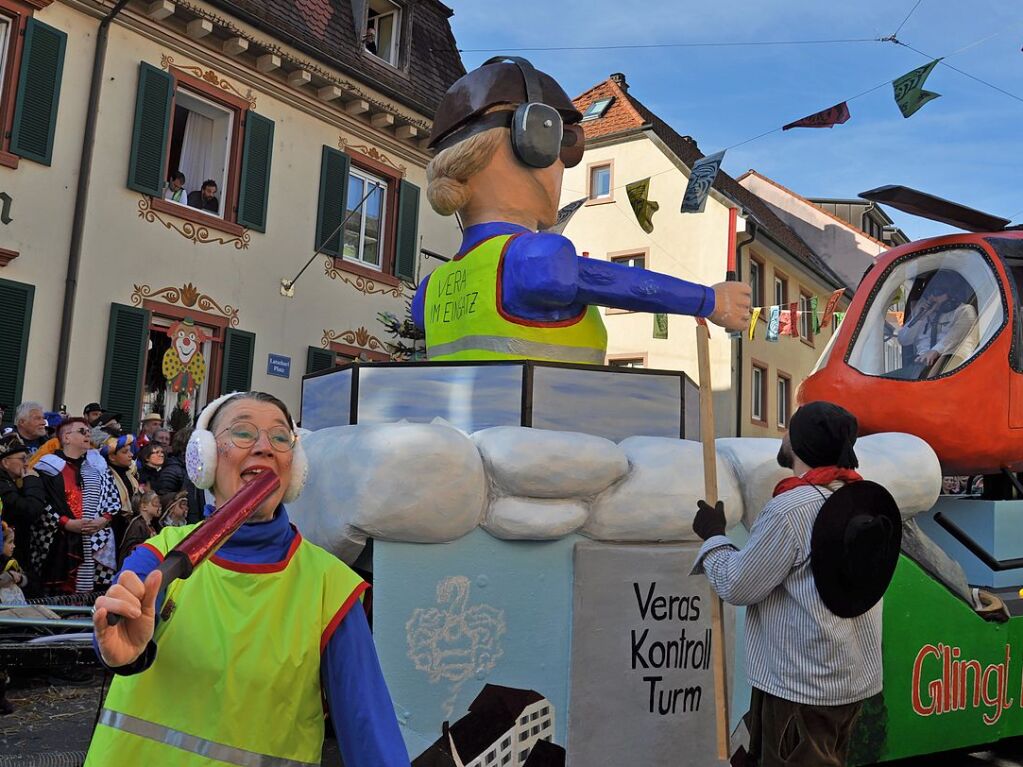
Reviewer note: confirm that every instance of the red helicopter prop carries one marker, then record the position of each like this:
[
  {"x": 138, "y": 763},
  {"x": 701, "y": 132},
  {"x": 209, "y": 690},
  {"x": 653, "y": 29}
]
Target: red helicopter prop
[{"x": 932, "y": 343}]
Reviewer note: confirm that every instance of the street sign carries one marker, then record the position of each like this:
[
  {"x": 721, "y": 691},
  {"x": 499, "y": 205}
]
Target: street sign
[{"x": 278, "y": 365}]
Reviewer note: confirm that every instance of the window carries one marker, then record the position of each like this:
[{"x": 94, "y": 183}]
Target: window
[
  {"x": 627, "y": 362},
  {"x": 781, "y": 290},
  {"x": 758, "y": 394},
  {"x": 638, "y": 261},
  {"x": 383, "y": 30},
  {"x": 534, "y": 716},
  {"x": 185, "y": 125},
  {"x": 805, "y": 317},
  {"x": 491, "y": 757},
  {"x": 929, "y": 316},
  {"x": 524, "y": 734},
  {"x": 505, "y": 759},
  {"x": 784, "y": 400},
  {"x": 364, "y": 229},
  {"x": 597, "y": 109},
  {"x": 756, "y": 281},
  {"x": 201, "y": 141},
  {"x": 545, "y": 710},
  {"x": 600, "y": 183},
  {"x": 506, "y": 742},
  {"x": 523, "y": 755},
  {"x": 5, "y": 36},
  {"x": 546, "y": 724}
]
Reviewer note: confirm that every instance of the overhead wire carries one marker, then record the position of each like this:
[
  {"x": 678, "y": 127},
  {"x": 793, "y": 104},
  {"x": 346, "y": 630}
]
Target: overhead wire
[
  {"x": 956, "y": 69},
  {"x": 911, "y": 10},
  {"x": 635, "y": 46}
]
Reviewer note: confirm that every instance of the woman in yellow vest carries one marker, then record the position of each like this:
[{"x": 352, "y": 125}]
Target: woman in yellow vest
[{"x": 231, "y": 666}]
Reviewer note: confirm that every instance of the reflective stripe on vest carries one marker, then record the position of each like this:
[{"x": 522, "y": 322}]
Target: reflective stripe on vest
[
  {"x": 519, "y": 348},
  {"x": 199, "y": 746},
  {"x": 465, "y": 320}
]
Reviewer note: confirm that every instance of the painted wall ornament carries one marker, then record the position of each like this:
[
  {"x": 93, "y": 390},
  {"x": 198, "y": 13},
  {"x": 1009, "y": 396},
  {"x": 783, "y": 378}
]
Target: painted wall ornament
[
  {"x": 504, "y": 134},
  {"x": 184, "y": 366}
]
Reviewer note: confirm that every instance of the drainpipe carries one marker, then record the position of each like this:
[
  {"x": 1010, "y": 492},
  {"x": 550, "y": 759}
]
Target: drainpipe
[
  {"x": 751, "y": 229},
  {"x": 81, "y": 202}
]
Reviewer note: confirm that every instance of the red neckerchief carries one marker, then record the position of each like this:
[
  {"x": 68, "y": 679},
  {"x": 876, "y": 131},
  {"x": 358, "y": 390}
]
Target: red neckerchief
[{"x": 822, "y": 475}]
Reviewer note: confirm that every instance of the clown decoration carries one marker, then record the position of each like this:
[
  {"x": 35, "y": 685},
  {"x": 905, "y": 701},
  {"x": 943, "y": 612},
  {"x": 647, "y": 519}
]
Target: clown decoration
[{"x": 183, "y": 364}]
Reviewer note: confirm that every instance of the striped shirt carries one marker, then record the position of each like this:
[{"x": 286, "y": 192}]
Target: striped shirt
[{"x": 796, "y": 648}]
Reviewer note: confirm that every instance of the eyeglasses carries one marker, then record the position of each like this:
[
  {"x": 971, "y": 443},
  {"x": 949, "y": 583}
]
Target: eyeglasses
[
  {"x": 83, "y": 432},
  {"x": 244, "y": 435}
]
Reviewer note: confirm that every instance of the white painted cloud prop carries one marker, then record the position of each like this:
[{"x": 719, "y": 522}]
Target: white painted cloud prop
[{"x": 429, "y": 483}]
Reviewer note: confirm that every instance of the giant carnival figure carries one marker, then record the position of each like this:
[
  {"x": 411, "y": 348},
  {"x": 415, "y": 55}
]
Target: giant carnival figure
[{"x": 504, "y": 134}]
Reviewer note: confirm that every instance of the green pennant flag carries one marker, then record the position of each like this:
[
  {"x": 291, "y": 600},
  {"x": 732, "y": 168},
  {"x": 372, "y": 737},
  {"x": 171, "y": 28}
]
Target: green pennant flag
[
  {"x": 641, "y": 206},
  {"x": 909, "y": 92},
  {"x": 816, "y": 317},
  {"x": 661, "y": 326}
]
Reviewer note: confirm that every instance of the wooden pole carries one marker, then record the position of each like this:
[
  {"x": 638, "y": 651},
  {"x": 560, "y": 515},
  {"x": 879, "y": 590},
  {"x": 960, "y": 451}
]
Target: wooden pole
[{"x": 710, "y": 492}]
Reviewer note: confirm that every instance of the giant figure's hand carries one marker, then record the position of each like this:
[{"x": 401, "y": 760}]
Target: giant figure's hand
[
  {"x": 732, "y": 305},
  {"x": 135, "y": 602}
]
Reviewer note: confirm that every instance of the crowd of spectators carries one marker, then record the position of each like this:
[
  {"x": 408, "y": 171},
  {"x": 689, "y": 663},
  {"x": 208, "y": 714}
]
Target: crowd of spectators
[{"x": 78, "y": 493}]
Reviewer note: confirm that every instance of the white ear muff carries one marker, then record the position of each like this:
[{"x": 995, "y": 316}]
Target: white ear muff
[
  {"x": 201, "y": 453},
  {"x": 299, "y": 473}
]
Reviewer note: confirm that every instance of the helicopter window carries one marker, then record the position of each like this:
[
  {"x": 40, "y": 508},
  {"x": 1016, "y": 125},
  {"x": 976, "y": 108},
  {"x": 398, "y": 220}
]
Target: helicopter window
[{"x": 929, "y": 317}]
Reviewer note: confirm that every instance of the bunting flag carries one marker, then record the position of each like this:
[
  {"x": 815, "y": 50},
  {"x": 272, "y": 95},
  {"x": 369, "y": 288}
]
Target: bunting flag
[
  {"x": 641, "y": 206},
  {"x": 814, "y": 302},
  {"x": 826, "y": 118},
  {"x": 660, "y": 326},
  {"x": 909, "y": 92},
  {"x": 700, "y": 179},
  {"x": 829, "y": 308},
  {"x": 564, "y": 214},
  {"x": 794, "y": 319},
  {"x": 773, "y": 321},
  {"x": 784, "y": 322},
  {"x": 839, "y": 316},
  {"x": 753, "y": 321}
]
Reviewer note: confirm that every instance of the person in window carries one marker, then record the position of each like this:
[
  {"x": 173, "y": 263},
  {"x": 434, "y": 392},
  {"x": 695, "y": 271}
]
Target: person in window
[
  {"x": 943, "y": 325},
  {"x": 206, "y": 197},
  {"x": 175, "y": 191},
  {"x": 369, "y": 40}
]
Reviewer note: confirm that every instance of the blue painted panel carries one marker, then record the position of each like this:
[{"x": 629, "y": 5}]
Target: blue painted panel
[
  {"x": 612, "y": 405},
  {"x": 471, "y": 397},
  {"x": 326, "y": 400},
  {"x": 449, "y": 618},
  {"x": 987, "y": 522}
]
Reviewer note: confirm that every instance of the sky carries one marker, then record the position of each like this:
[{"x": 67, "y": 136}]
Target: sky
[{"x": 966, "y": 146}]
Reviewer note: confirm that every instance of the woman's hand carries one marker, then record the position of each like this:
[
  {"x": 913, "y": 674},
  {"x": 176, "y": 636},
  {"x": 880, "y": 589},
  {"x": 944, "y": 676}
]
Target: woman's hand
[
  {"x": 76, "y": 525},
  {"x": 135, "y": 602}
]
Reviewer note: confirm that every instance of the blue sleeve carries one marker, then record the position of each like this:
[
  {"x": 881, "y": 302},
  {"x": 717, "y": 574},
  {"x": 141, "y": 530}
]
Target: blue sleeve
[
  {"x": 419, "y": 304},
  {"x": 360, "y": 705},
  {"x": 142, "y": 561},
  {"x": 542, "y": 272}
]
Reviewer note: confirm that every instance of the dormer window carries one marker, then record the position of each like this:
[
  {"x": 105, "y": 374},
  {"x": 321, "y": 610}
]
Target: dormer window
[
  {"x": 383, "y": 30},
  {"x": 597, "y": 109}
]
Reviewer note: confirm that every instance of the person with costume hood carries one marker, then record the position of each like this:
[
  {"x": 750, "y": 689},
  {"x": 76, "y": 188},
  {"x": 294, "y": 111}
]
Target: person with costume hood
[
  {"x": 272, "y": 625},
  {"x": 503, "y": 136},
  {"x": 819, "y": 557}
]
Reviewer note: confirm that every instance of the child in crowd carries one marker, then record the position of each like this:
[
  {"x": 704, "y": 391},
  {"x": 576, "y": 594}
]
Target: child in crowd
[
  {"x": 143, "y": 526},
  {"x": 11, "y": 576},
  {"x": 175, "y": 509}
]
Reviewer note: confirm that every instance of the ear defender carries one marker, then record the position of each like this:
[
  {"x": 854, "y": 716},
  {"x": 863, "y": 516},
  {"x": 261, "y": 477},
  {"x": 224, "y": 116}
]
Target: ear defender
[
  {"x": 201, "y": 454},
  {"x": 536, "y": 129}
]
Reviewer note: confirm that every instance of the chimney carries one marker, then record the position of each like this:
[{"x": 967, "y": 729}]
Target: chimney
[{"x": 619, "y": 79}]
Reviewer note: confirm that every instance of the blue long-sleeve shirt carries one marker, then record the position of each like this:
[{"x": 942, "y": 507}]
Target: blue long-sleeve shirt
[
  {"x": 545, "y": 280},
  {"x": 360, "y": 705}
]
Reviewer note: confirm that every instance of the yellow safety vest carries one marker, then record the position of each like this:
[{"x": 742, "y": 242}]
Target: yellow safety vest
[
  {"x": 465, "y": 320},
  {"x": 236, "y": 679}
]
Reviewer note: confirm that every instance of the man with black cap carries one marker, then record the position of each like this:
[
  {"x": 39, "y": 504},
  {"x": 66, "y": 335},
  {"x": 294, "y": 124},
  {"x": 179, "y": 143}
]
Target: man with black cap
[
  {"x": 92, "y": 413},
  {"x": 818, "y": 559},
  {"x": 21, "y": 496}
]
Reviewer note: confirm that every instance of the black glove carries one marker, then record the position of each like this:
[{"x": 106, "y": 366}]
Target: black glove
[{"x": 710, "y": 520}]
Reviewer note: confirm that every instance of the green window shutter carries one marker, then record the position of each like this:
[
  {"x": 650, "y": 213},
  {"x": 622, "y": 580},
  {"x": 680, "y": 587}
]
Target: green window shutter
[
  {"x": 16, "y": 300},
  {"x": 35, "y": 110},
  {"x": 406, "y": 253},
  {"x": 151, "y": 133},
  {"x": 127, "y": 339},
  {"x": 239, "y": 351},
  {"x": 317, "y": 359},
  {"x": 331, "y": 210},
  {"x": 255, "y": 184}
]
